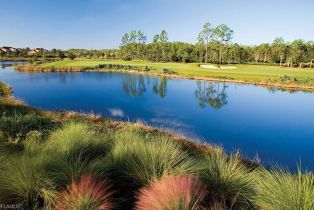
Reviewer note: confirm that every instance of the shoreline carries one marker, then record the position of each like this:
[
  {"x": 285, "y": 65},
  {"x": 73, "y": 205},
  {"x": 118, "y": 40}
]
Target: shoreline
[
  {"x": 200, "y": 148},
  {"x": 292, "y": 87}
]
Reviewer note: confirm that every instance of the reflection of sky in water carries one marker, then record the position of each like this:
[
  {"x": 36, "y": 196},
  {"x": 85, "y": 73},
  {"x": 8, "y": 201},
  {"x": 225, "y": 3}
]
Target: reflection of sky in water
[{"x": 275, "y": 124}]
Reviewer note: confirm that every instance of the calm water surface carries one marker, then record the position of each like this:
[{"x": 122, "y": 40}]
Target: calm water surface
[{"x": 278, "y": 126}]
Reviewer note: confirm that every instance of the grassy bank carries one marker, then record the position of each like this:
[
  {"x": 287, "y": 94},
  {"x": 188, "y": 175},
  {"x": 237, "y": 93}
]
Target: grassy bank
[
  {"x": 252, "y": 74},
  {"x": 75, "y": 161}
]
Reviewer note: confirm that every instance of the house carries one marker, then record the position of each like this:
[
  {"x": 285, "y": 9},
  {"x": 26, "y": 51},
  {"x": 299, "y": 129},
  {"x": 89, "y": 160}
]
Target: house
[
  {"x": 8, "y": 49},
  {"x": 37, "y": 51}
]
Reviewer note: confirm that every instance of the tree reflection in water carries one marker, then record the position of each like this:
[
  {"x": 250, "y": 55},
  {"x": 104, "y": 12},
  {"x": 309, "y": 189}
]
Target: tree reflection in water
[
  {"x": 5, "y": 65},
  {"x": 160, "y": 87},
  {"x": 213, "y": 94},
  {"x": 136, "y": 85}
]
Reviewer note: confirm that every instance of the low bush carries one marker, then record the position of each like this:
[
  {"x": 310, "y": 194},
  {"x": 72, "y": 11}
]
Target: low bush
[{"x": 17, "y": 124}]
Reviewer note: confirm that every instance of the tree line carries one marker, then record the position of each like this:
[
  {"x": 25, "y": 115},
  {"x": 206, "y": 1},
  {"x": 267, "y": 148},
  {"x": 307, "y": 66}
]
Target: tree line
[{"x": 213, "y": 46}]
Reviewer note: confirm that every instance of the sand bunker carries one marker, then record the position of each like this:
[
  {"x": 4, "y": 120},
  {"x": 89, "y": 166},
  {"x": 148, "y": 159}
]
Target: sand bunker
[{"x": 208, "y": 66}]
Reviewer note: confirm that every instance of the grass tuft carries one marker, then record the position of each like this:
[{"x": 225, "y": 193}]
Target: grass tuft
[
  {"x": 143, "y": 159},
  {"x": 74, "y": 149},
  {"x": 280, "y": 190},
  {"x": 172, "y": 193},
  {"x": 86, "y": 194},
  {"x": 23, "y": 182},
  {"x": 230, "y": 183}
]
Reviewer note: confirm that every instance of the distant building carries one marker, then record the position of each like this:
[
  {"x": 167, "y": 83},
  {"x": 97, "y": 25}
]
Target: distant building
[
  {"x": 37, "y": 51},
  {"x": 8, "y": 49}
]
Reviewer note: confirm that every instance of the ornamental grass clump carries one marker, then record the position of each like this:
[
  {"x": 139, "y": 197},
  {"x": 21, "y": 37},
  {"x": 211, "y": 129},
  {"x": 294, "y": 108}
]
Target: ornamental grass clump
[
  {"x": 23, "y": 182},
  {"x": 75, "y": 149},
  {"x": 141, "y": 159},
  {"x": 172, "y": 193},
  {"x": 280, "y": 190},
  {"x": 230, "y": 183},
  {"x": 86, "y": 193}
]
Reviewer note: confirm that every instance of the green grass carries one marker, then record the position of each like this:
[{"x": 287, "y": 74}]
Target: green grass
[
  {"x": 280, "y": 190},
  {"x": 231, "y": 185},
  {"x": 81, "y": 147},
  {"x": 23, "y": 180},
  {"x": 143, "y": 159},
  {"x": 245, "y": 73}
]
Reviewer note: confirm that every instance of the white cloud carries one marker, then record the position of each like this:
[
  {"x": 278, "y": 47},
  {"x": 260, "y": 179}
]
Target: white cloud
[{"x": 115, "y": 112}]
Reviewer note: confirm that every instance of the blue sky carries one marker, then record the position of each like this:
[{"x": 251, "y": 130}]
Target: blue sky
[{"x": 98, "y": 24}]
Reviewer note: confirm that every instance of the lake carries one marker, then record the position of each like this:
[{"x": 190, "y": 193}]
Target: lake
[{"x": 276, "y": 125}]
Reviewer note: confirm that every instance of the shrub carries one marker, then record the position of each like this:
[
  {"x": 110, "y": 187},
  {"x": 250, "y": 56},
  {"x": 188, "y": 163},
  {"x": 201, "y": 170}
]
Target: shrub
[
  {"x": 33, "y": 136},
  {"x": 127, "y": 58},
  {"x": 86, "y": 194},
  {"x": 230, "y": 184},
  {"x": 172, "y": 193},
  {"x": 17, "y": 125},
  {"x": 143, "y": 159},
  {"x": 280, "y": 190},
  {"x": 74, "y": 148},
  {"x": 71, "y": 56}
]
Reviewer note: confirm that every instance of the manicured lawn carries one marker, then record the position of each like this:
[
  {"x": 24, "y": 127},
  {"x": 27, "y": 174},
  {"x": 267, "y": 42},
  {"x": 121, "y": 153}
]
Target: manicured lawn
[{"x": 249, "y": 73}]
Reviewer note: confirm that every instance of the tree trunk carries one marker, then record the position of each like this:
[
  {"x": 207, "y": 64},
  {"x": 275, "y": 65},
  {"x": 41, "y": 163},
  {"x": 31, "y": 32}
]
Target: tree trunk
[
  {"x": 219, "y": 61},
  {"x": 206, "y": 53},
  {"x": 280, "y": 62},
  {"x": 311, "y": 63}
]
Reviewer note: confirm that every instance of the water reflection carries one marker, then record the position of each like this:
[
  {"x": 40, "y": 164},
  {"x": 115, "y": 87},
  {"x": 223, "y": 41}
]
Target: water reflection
[
  {"x": 137, "y": 85},
  {"x": 160, "y": 87},
  {"x": 277, "y": 126},
  {"x": 212, "y": 94},
  {"x": 5, "y": 64},
  {"x": 134, "y": 85}
]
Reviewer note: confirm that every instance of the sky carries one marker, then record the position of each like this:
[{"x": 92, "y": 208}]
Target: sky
[{"x": 100, "y": 24}]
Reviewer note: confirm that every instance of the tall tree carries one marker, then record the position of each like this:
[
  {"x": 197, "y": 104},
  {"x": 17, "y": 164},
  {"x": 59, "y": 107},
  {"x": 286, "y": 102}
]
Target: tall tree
[
  {"x": 223, "y": 34},
  {"x": 204, "y": 38},
  {"x": 133, "y": 36},
  {"x": 141, "y": 37},
  {"x": 156, "y": 38},
  {"x": 279, "y": 50},
  {"x": 125, "y": 39},
  {"x": 163, "y": 36},
  {"x": 298, "y": 52}
]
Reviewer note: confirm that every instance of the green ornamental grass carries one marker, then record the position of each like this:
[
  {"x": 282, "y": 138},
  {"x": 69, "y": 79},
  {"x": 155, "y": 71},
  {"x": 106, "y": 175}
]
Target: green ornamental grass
[
  {"x": 24, "y": 182},
  {"x": 230, "y": 183},
  {"x": 143, "y": 159},
  {"x": 74, "y": 150},
  {"x": 281, "y": 190}
]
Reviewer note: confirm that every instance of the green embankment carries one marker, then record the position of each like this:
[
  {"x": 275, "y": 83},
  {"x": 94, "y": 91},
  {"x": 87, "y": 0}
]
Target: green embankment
[{"x": 254, "y": 74}]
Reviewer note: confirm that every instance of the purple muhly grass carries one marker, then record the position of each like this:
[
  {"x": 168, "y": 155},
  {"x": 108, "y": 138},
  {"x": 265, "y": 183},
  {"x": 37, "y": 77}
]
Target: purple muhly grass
[
  {"x": 171, "y": 193},
  {"x": 86, "y": 194}
]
